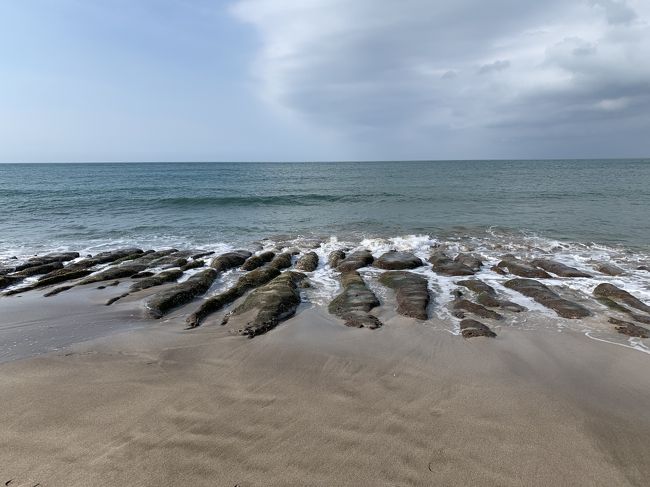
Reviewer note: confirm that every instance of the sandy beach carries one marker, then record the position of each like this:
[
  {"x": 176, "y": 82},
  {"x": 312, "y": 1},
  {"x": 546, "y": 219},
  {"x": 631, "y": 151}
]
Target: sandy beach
[{"x": 313, "y": 402}]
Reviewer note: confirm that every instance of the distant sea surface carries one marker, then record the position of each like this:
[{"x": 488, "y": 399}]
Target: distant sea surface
[{"x": 86, "y": 206}]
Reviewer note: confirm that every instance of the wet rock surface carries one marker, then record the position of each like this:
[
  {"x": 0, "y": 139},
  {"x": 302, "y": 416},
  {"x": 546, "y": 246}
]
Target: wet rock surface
[
  {"x": 308, "y": 262},
  {"x": 272, "y": 303},
  {"x": 355, "y": 301},
  {"x": 394, "y": 260},
  {"x": 492, "y": 301},
  {"x": 558, "y": 268},
  {"x": 46, "y": 259},
  {"x": 609, "y": 269},
  {"x": 156, "y": 280},
  {"x": 548, "y": 298},
  {"x": 230, "y": 260},
  {"x": 355, "y": 260},
  {"x": 471, "y": 261},
  {"x": 461, "y": 306},
  {"x": 472, "y": 328},
  {"x": 281, "y": 261},
  {"x": 614, "y": 293},
  {"x": 38, "y": 269},
  {"x": 411, "y": 292},
  {"x": 520, "y": 268},
  {"x": 441, "y": 263},
  {"x": 629, "y": 329},
  {"x": 181, "y": 293},
  {"x": 248, "y": 281},
  {"x": 255, "y": 261},
  {"x": 477, "y": 286},
  {"x": 335, "y": 258}
]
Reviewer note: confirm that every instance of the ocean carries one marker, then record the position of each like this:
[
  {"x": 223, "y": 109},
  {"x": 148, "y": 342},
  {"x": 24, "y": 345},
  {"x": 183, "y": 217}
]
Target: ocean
[{"x": 92, "y": 206}]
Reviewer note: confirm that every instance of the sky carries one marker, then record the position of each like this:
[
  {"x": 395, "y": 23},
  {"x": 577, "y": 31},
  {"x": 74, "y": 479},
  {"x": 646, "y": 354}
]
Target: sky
[{"x": 287, "y": 80}]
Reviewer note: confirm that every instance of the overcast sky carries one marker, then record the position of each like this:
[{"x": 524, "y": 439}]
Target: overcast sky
[{"x": 131, "y": 80}]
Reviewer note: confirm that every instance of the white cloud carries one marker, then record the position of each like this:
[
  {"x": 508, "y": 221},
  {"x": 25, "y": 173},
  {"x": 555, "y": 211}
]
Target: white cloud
[{"x": 457, "y": 79}]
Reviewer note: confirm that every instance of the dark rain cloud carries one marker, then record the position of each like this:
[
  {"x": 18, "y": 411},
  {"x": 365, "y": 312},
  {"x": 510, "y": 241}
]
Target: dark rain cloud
[{"x": 468, "y": 78}]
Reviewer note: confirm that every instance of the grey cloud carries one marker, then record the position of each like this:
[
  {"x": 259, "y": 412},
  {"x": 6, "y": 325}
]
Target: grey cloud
[
  {"x": 392, "y": 77},
  {"x": 495, "y": 66}
]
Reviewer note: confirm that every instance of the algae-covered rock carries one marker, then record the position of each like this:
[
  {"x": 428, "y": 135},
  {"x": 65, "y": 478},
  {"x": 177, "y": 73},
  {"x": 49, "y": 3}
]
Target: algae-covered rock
[
  {"x": 181, "y": 293},
  {"x": 411, "y": 292}
]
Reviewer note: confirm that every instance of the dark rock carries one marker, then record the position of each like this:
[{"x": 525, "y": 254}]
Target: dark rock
[
  {"x": 520, "y": 268},
  {"x": 195, "y": 264},
  {"x": 492, "y": 301},
  {"x": 499, "y": 270},
  {"x": 39, "y": 269},
  {"x": 248, "y": 281},
  {"x": 6, "y": 281},
  {"x": 156, "y": 280},
  {"x": 202, "y": 254},
  {"x": 612, "y": 292},
  {"x": 275, "y": 302},
  {"x": 546, "y": 297},
  {"x": 609, "y": 269},
  {"x": 470, "y": 261},
  {"x": 57, "y": 291},
  {"x": 181, "y": 293},
  {"x": 113, "y": 255},
  {"x": 477, "y": 286},
  {"x": 230, "y": 260},
  {"x": 133, "y": 255},
  {"x": 47, "y": 259},
  {"x": 630, "y": 329},
  {"x": 335, "y": 258},
  {"x": 466, "y": 305},
  {"x": 355, "y": 260},
  {"x": 256, "y": 261},
  {"x": 394, "y": 260},
  {"x": 142, "y": 275},
  {"x": 308, "y": 262},
  {"x": 117, "y": 272},
  {"x": 411, "y": 292},
  {"x": 643, "y": 268},
  {"x": 354, "y": 302},
  {"x": 281, "y": 261},
  {"x": 472, "y": 328},
  {"x": 442, "y": 264},
  {"x": 55, "y": 277},
  {"x": 558, "y": 268}
]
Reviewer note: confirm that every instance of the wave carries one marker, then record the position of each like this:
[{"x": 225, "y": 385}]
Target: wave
[{"x": 257, "y": 200}]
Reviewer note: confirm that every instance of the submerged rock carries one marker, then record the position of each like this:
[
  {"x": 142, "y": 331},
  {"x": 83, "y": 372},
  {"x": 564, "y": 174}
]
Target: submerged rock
[
  {"x": 472, "y": 328},
  {"x": 462, "y": 305},
  {"x": 307, "y": 262},
  {"x": 470, "y": 261},
  {"x": 630, "y": 329},
  {"x": 492, "y": 301},
  {"x": 354, "y": 302},
  {"x": 274, "y": 302},
  {"x": 612, "y": 292},
  {"x": 251, "y": 280},
  {"x": 181, "y": 293},
  {"x": 255, "y": 261},
  {"x": 609, "y": 269},
  {"x": 520, "y": 268},
  {"x": 548, "y": 298},
  {"x": 335, "y": 258},
  {"x": 6, "y": 281},
  {"x": 411, "y": 292},
  {"x": 355, "y": 260},
  {"x": 443, "y": 264},
  {"x": 230, "y": 260},
  {"x": 394, "y": 260},
  {"x": 559, "y": 269}
]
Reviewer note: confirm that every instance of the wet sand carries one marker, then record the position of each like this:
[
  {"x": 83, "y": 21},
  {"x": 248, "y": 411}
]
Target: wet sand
[{"x": 315, "y": 403}]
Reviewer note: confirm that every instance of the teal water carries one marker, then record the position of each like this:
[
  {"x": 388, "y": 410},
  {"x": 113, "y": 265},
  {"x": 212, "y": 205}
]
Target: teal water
[{"x": 46, "y": 206}]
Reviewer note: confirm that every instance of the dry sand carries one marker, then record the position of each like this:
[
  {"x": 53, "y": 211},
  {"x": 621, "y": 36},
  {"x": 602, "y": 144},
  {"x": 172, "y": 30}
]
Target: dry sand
[{"x": 315, "y": 403}]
